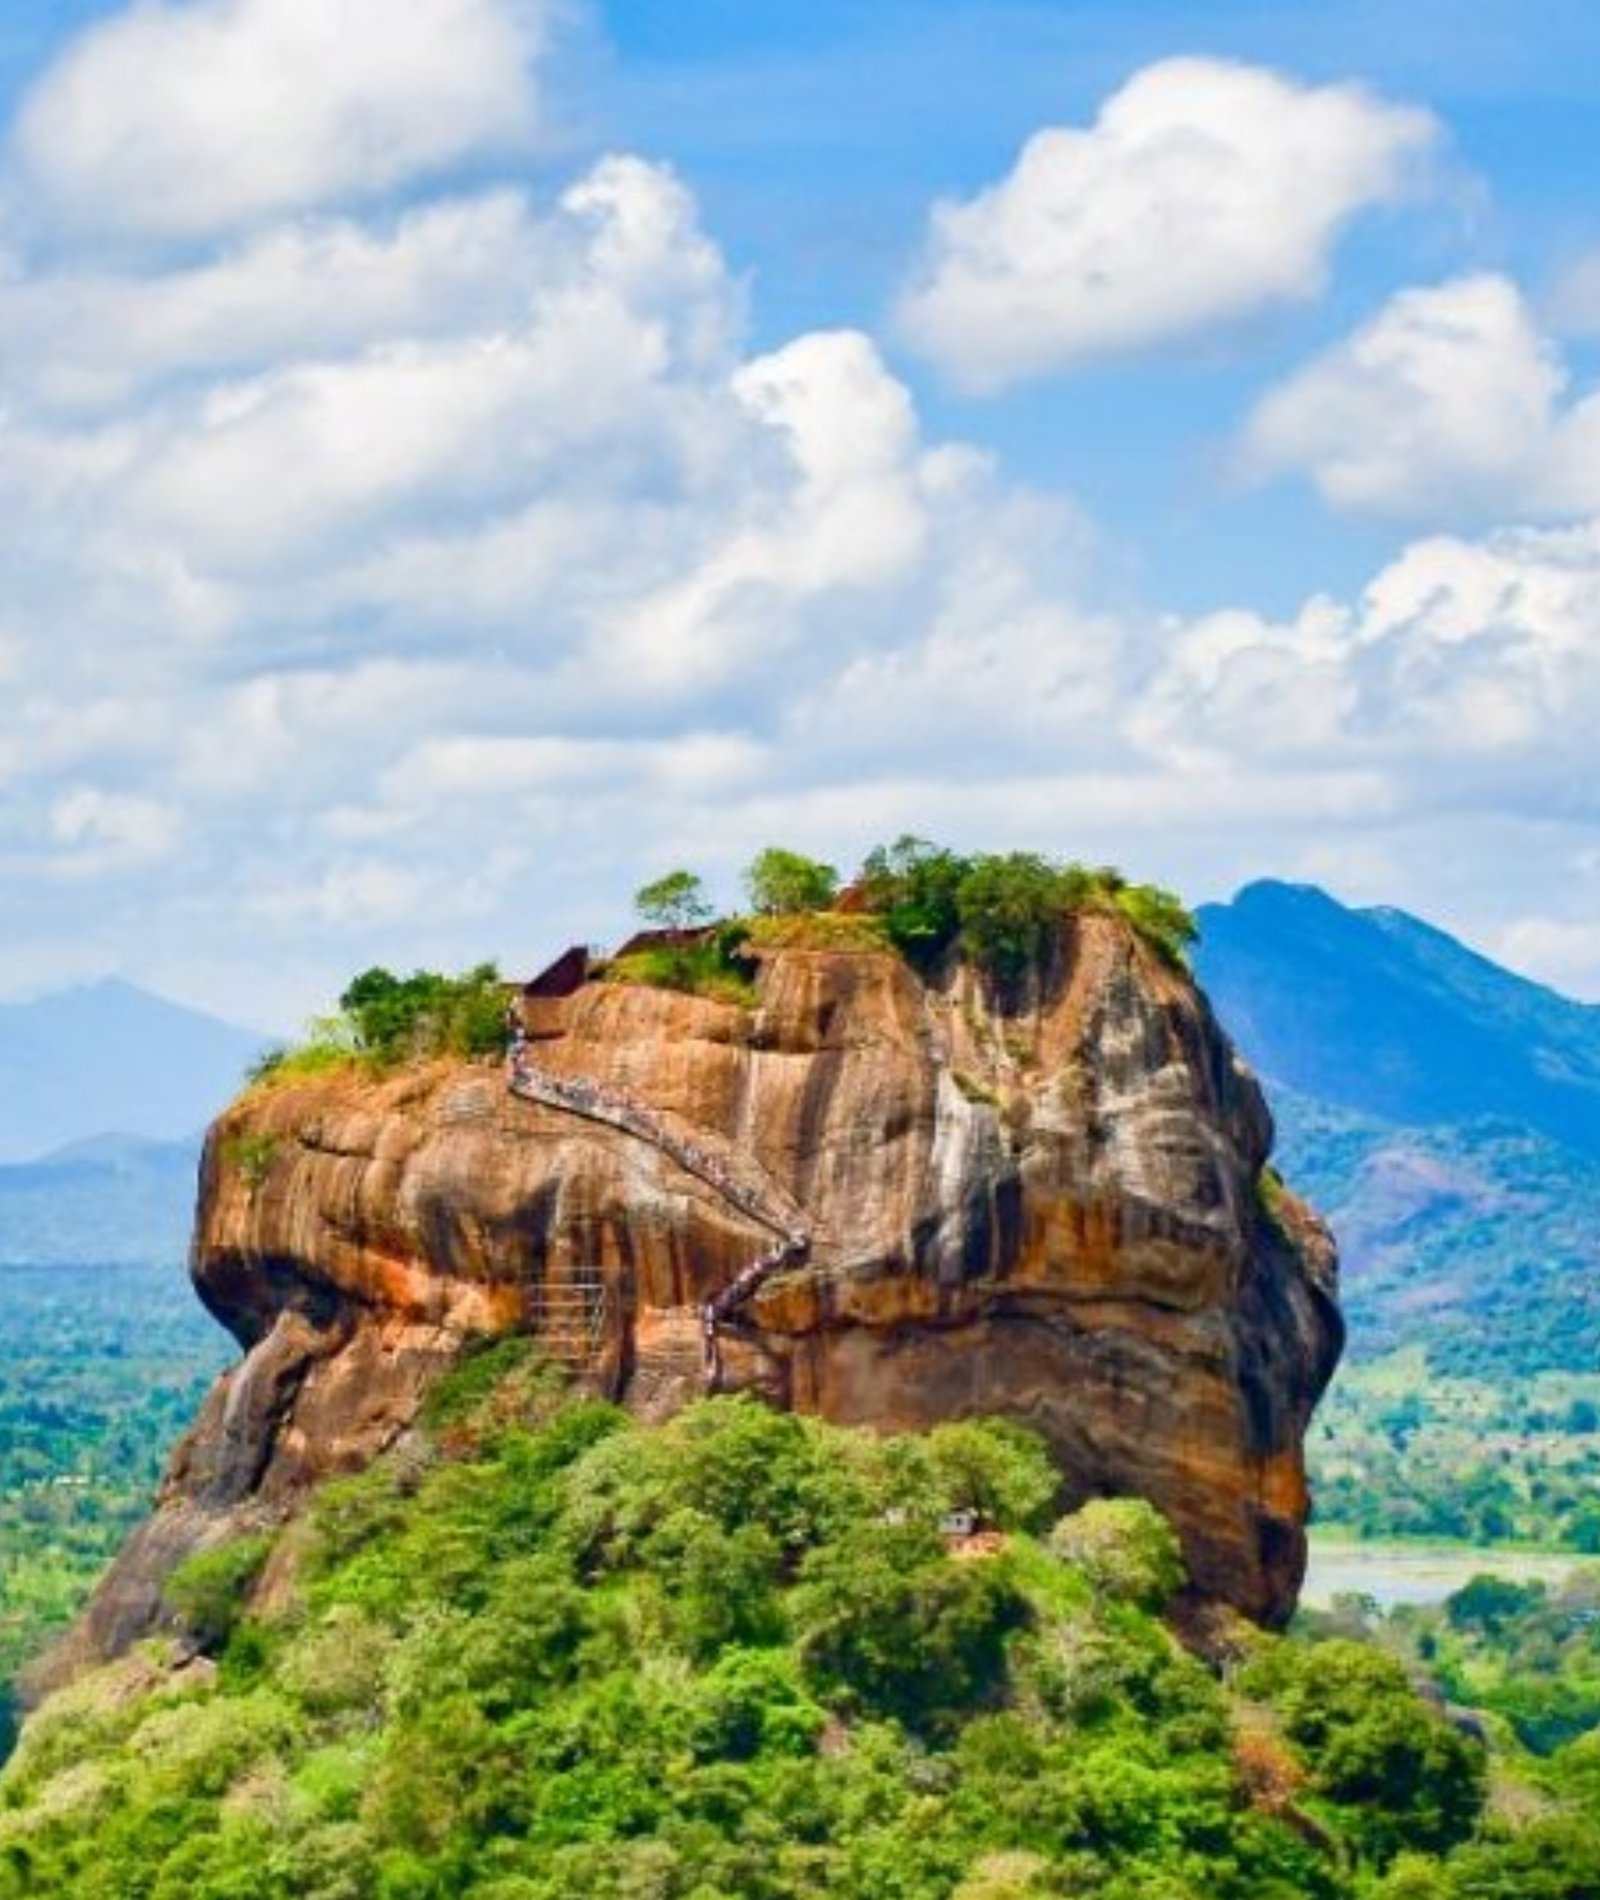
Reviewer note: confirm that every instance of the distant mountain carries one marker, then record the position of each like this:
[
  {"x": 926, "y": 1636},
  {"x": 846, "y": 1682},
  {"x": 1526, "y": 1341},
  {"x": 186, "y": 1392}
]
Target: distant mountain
[
  {"x": 1382, "y": 1013},
  {"x": 108, "y": 1056},
  {"x": 114, "y": 1199},
  {"x": 1442, "y": 1111}
]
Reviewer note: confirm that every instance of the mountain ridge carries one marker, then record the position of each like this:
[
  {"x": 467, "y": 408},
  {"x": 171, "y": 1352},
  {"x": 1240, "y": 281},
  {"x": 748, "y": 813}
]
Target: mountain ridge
[{"x": 1442, "y": 1033}]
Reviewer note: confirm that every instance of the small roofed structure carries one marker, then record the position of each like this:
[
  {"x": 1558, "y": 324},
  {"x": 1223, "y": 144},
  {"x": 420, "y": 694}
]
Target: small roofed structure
[
  {"x": 568, "y": 973},
  {"x": 965, "y": 1522},
  {"x": 540, "y": 1011}
]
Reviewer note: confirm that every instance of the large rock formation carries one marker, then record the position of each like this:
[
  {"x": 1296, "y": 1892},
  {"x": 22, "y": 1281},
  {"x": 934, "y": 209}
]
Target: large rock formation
[{"x": 1056, "y": 1210}]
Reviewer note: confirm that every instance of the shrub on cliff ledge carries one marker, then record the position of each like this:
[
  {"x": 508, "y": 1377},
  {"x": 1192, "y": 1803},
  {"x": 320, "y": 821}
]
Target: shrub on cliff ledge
[
  {"x": 207, "y": 1593},
  {"x": 675, "y": 901},
  {"x": 711, "y": 964},
  {"x": 914, "y": 886},
  {"x": 427, "y": 1014},
  {"x": 1160, "y": 918},
  {"x": 1006, "y": 907},
  {"x": 1010, "y": 908},
  {"x": 385, "y": 1019}
]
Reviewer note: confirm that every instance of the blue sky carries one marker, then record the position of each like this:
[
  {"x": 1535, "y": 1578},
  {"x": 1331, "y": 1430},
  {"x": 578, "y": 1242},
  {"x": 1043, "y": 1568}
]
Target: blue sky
[
  {"x": 816, "y": 136},
  {"x": 463, "y": 459}
]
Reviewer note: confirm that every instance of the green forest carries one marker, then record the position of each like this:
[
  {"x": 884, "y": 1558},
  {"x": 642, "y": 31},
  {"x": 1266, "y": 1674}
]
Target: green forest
[
  {"x": 1474, "y": 1239},
  {"x": 1400, "y": 1449},
  {"x": 101, "y": 1371},
  {"x": 552, "y": 1652}
]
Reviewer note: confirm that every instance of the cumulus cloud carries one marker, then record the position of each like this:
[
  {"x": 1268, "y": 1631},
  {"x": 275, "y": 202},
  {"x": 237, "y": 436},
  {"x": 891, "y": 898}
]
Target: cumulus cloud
[
  {"x": 361, "y": 566},
  {"x": 1204, "y": 191},
  {"x": 182, "y": 120},
  {"x": 315, "y": 288},
  {"x": 599, "y": 374},
  {"x": 845, "y": 512},
  {"x": 1449, "y": 400},
  {"x": 1468, "y": 670}
]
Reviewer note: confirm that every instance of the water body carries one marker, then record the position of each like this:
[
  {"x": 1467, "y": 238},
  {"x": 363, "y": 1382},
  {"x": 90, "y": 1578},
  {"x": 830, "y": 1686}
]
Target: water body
[{"x": 1419, "y": 1573}]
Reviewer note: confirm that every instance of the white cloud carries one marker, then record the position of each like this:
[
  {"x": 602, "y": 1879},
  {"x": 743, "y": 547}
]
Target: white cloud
[
  {"x": 841, "y": 510},
  {"x": 599, "y": 378},
  {"x": 1450, "y": 400},
  {"x": 1468, "y": 671},
  {"x": 185, "y": 120},
  {"x": 409, "y": 587},
  {"x": 316, "y": 288},
  {"x": 507, "y": 543},
  {"x": 1204, "y": 191},
  {"x": 359, "y": 893},
  {"x": 103, "y": 829}
]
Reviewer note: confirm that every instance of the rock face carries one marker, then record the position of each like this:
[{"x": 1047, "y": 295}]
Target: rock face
[{"x": 1054, "y": 1210}]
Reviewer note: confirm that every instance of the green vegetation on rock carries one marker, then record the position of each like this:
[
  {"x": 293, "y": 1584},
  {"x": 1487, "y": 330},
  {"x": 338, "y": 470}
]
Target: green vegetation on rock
[
  {"x": 711, "y": 965},
  {"x": 426, "y": 1014},
  {"x": 915, "y": 887},
  {"x": 1010, "y": 908},
  {"x": 674, "y": 901},
  {"x": 818, "y": 930},
  {"x": 1003, "y": 909},
  {"x": 780, "y": 883},
  {"x": 384, "y": 1020},
  {"x": 208, "y": 1592}
]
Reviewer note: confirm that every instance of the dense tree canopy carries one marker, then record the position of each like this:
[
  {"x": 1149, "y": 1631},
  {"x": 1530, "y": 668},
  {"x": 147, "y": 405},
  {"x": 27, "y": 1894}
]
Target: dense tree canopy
[
  {"x": 915, "y": 886},
  {"x": 426, "y": 1013},
  {"x": 553, "y": 1652}
]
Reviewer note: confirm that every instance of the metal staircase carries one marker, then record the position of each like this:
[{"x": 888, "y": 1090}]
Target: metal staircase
[
  {"x": 729, "y": 1175},
  {"x": 569, "y": 1317}
]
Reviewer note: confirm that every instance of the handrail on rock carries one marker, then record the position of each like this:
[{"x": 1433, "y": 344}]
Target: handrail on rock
[{"x": 579, "y": 1095}]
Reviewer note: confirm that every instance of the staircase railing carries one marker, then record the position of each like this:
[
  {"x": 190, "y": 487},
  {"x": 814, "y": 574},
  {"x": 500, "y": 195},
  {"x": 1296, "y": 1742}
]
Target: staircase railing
[{"x": 579, "y": 1095}]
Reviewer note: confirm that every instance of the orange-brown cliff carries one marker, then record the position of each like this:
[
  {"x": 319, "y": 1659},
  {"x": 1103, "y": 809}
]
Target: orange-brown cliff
[{"x": 1056, "y": 1211}]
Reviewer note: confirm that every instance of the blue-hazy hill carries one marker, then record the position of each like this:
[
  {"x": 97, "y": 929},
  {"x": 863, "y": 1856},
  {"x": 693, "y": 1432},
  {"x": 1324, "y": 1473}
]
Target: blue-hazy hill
[
  {"x": 111, "y": 1058},
  {"x": 1381, "y": 1013},
  {"x": 109, "y": 1200}
]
